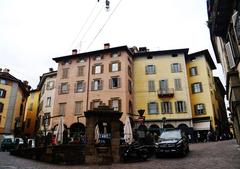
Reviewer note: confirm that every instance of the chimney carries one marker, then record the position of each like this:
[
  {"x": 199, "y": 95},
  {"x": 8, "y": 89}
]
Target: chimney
[
  {"x": 106, "y": 45},
  {"x": 6, "y": 70},
  {"x": 25, "y": 82},
  {"x": 50, "y": 69},
  {"x": 74, "y": 51}
]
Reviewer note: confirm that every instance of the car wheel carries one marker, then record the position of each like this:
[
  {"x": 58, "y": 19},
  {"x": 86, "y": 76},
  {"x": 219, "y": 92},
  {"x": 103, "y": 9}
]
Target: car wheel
[{"x": 144, "y": 156}]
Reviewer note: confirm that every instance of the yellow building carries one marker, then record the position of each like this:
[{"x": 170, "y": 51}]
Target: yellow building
[
  {"x": 13, "y": 96},
  {"x": 31, "y": 112},
  {"x": 161, "y": 88},
  {"x": 202, "y": 92}
]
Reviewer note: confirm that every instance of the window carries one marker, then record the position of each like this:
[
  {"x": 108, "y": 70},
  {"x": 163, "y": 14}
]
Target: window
[
  {"x": 114, "y": 67},
  {"x": 152, "y": 108},
  {"x": 95, "y": 103},
  {"x": 176, "y": 67},
  {"x": 97, "y": 84},
  {"x": 151, "y": 85},
  {"x": 97, "y": 69},
  {"x": 199, "y": 109},
  {"x": 177, "y": 84},
  {"x": 98, "y": 57},
  {"x": 193, "y": 71},
  {"x": 116, "y": 54},
  {"x": 79, "y": 86},
  {"x": 78, "y": 107},
  {"x": 197, "y": 87},
  {"x": 48, "y": 102},
  {"x": 50, "y": 85},
  {"x": 46, "y": 119},
  {"x": 150, "y": 69},
  {"x": 2, "y": 93},
  {"x": 180, "y": 106},
  {"x": 30, "y": 108},
  {"x": 114, "y": 82},
  {"x": 166, "y": 107},
  {"x": 65, "y": 73},
  {"x": 64, "y": 88},
  {"x": 80, "y": 71},
  {"x": 163, "y": 85},
  {"x": 62, "y": 108},
  {"x": 129, "y": 71},
  {"x": 1, "y": 107},
  {"x": 115, "y": 103},
  {"x": 3, "y": 81},
  {"x": 130, "y": 86},
  {"x": 43, "y": 89}
]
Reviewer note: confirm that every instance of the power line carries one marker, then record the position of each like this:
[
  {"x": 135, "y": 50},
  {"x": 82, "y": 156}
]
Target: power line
[
  {"x": 104, "y": 25},
  {"x": 90, "y": 26},
  {"x": 84, "y": 24}
]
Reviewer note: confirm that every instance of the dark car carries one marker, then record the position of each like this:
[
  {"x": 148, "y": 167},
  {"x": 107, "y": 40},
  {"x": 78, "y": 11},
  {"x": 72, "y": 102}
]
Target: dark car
[
  {"x": 7, "y": 144},
  {"x": 135, "y": 152},
  {"x": 172, "y": 142}
]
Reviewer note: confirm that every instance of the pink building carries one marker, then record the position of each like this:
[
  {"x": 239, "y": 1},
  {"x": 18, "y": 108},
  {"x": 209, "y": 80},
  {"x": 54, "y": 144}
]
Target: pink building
[{"x": 86, "y": 80}]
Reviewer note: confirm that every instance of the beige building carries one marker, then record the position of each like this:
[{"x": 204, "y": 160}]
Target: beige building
[
  {"x": 224, "y": 24},
  {"x": 86, "y": 80},
  {"x": 47, "y": 88},
  {"x": 13, "y": 97}
]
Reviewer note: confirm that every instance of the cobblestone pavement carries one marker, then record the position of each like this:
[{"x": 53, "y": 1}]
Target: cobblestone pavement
[{"x": 213, "y": 155}]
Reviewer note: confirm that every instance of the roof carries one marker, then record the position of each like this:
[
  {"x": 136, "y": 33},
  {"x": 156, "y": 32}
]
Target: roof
[
  {"x": 111, "y": 50},
  {"x": 162, "y": 52},
  {"x": 43, "y": 78},
  {"x": 207, "y": 56},
  {"x": 6, "y": 75}
]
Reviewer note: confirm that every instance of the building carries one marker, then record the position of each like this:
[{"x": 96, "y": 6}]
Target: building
[
  {"x": 222, "y": 124},
  {"x": 47, "y": 88},
  {"x": 223, "y": 23},
  {"x": 31, "y": 113},
  {"x": 13, "y": 97},
  {"x": 202, "y": 92},
  {"x": 161, "y": 88},
  {"x": 86, "y": 80}
]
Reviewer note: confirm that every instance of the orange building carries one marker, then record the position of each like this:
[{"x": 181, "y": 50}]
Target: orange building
[{"x": 87, "y": 80}]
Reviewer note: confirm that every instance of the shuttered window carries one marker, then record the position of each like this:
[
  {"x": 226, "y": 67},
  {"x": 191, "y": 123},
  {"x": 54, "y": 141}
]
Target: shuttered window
[
  {"x": 151, "y": 85},
  {"x": 152, "y": 108},
  {"x": 180, "y": 106},
  {"x": 166, "y": 107}
]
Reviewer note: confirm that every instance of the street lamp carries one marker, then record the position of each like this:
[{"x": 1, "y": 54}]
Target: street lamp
[{"x": 141, "y": 117}]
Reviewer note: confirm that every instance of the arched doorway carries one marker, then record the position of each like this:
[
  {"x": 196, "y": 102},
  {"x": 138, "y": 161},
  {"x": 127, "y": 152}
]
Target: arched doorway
[
  {"x": 184, "y": 128},
  {"x": 77, "y": 130},
  {"x": 169, "y": 126}
]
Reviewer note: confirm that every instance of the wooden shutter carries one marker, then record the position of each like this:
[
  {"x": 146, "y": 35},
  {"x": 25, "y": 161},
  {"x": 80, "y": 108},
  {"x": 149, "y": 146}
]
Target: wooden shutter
[
  {"x": 146, "y": 70},
  {"x": 93, "y": 70},
  {"x": 148, "y": 108},
  {"x": 92, "y": 85},
  {"x": 101, "y": 85},
  {"x": 157, "y": 107},
  {"x": 119, "y": 105},
  {"x": 84, "y": 84},
  {"x": 110, "y": 83},
  {"x": 184, "y": 106},
  {"x": 110, "y": 103},
  {"x": 102, "y": 68},
  {"x": 119, "y": 82},
  {"x": 110, "y": 67},
  {"x": 119, "y": 66}
]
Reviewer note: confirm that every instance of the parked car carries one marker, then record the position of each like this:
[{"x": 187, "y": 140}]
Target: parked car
[
  {"x": 7, "y": 144},
  {"x": 172, "y": 142},
  {"x": 135, "y": 152}
]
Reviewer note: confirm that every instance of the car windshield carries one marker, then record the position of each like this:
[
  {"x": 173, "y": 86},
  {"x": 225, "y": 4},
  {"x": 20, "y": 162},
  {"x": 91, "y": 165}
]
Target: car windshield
[{"x": 170, "y": 135}]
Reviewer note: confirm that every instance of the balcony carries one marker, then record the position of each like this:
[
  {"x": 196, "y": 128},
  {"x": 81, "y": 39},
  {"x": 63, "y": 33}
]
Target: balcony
[{"x": 169, "y": 92}]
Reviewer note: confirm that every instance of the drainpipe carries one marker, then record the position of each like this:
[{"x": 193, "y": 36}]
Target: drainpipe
[{"x": 88, "y": 81}]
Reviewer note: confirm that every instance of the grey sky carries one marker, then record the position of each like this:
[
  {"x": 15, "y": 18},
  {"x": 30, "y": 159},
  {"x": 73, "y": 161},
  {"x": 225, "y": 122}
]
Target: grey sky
[{"x": 32, "y": 32}]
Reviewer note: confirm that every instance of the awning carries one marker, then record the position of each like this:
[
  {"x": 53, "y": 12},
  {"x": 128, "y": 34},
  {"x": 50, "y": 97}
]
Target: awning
[{"x": 201, "y": 126}]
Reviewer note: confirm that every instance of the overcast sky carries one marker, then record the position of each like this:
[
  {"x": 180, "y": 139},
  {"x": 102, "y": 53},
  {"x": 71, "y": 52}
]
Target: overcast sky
[{"x": 32, "y": 32}]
